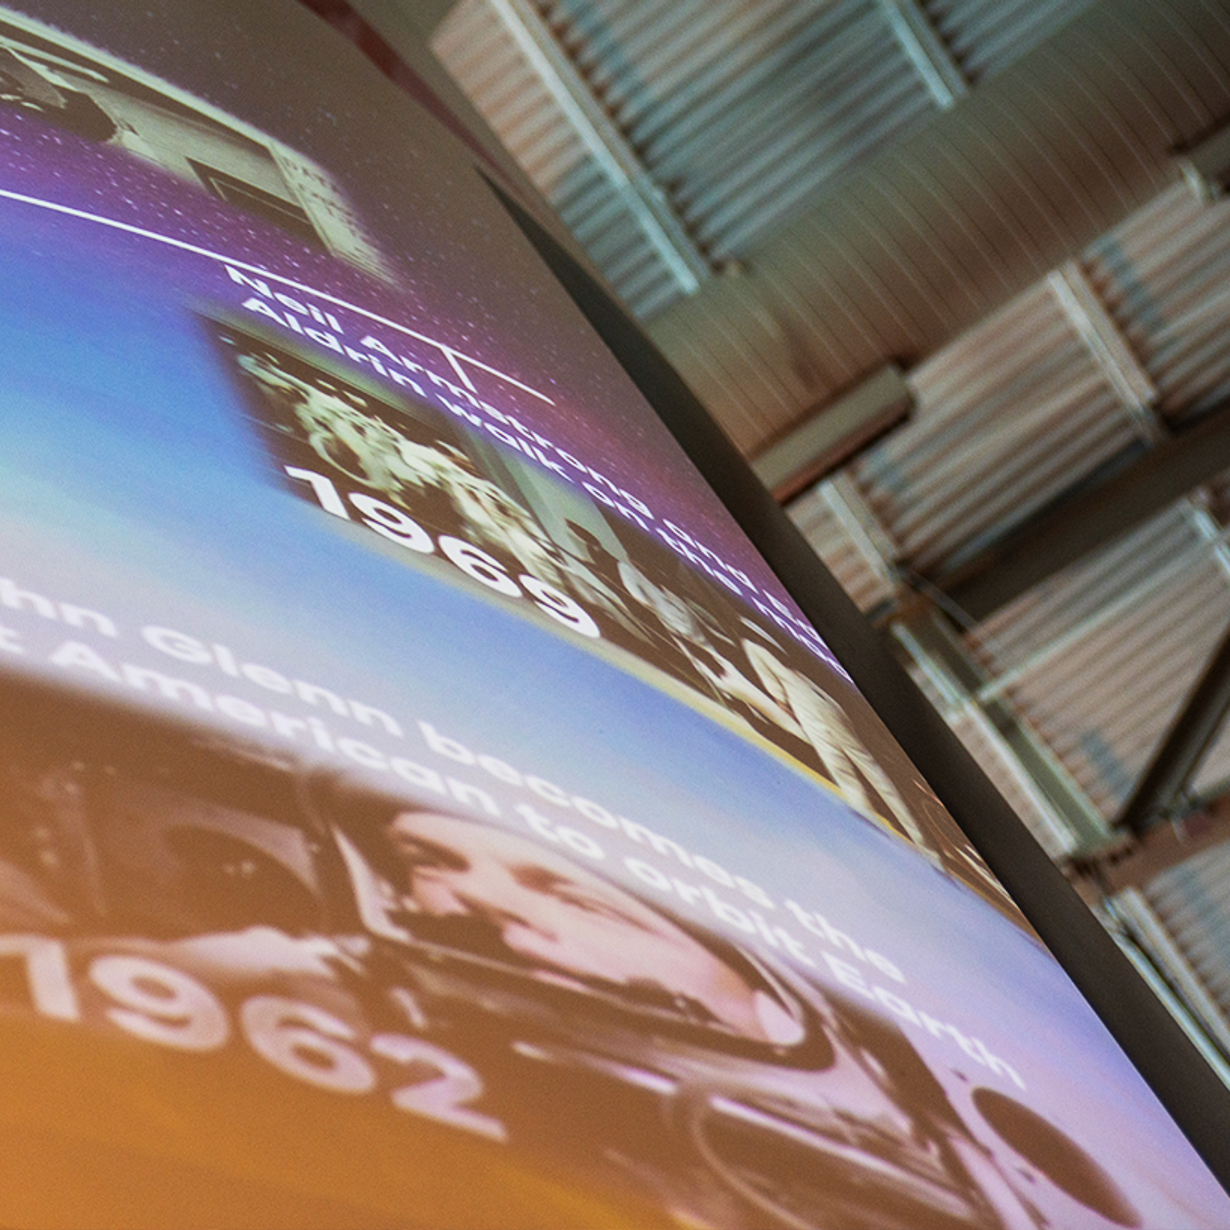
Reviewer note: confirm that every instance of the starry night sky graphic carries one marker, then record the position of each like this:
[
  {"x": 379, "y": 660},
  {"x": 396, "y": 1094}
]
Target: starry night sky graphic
[{"x": 466, "y": 280}]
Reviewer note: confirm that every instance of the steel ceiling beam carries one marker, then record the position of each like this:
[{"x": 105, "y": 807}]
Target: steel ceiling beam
[
  {"x": 1125, "y": 861},
  {"x": 1073, "y": 527},
  {"x": 932, "y": 644},
  {"x": 605, "y": 142},
  {"x": 833, "y": 434},
  {"x": 1180, "y": 752},
  {"x": 933, "y": 60}
]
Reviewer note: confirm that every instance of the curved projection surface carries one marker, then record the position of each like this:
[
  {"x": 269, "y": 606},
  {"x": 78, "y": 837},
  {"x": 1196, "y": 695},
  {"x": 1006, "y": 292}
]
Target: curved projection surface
[{"x": 423, "y": 806}]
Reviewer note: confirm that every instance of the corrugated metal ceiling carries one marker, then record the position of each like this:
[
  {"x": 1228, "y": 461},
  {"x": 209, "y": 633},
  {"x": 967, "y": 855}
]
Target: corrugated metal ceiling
[
  {"x": 741, "y": 114},
  {"x": 949, "y": 223},
  {"x": 1162, "y": 276},
  {"x": 986, "y": 36},
  {"x": 1007, "y": 418}
]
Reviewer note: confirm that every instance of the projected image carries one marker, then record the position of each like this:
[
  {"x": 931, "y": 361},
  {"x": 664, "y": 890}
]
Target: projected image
[
  {"x": 92, "y": 96},
  {"x": 403, "y": 469},
  {"x": 184, "y": 890}
]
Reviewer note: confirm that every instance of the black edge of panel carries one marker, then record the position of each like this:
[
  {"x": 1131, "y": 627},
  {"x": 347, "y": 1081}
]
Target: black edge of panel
[{"x": 1164, "y": 1055}]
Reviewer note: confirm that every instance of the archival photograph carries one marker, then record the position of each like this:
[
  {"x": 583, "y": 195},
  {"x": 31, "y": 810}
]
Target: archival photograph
[{"x": 204, "y": 895}]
